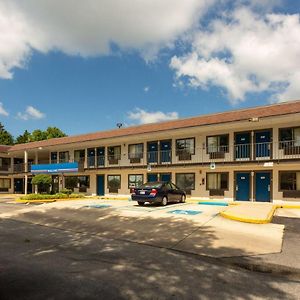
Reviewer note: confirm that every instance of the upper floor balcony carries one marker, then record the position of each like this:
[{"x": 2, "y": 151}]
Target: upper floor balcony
[{"x": 228, "y": 154}]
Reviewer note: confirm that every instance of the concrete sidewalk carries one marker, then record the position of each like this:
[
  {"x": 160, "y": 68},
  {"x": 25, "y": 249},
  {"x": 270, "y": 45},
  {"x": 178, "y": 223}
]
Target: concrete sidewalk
[{"x": 250, "y": 212}]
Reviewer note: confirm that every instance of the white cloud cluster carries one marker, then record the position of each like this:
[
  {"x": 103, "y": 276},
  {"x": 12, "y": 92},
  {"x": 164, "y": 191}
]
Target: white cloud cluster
[
  {"x": 245, "y": 52},
  {"x": 31, "y": 113},
  {"x": 3, "y": 111},
  {"x": 88, "y": 28},
  {"x": 145, "y": 117}
]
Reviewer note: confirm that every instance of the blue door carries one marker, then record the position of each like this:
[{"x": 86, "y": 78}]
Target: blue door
[
  {"x": 242, "y": 145},
  {"x": 100, "y": 185},
  {"x": 165, "y": 151},
  {"x": 165, "y": 177},
  {"x": 263, "y": 186},
  {"x": 152, "y": 177},
  {"x": 242, "y": 186},
  {"x": 263, "y": 143},
  {"x": 152, "y": 152},
  {"x": 19, "y": 185}
]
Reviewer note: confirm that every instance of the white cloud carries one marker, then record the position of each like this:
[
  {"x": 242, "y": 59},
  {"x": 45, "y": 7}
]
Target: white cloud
[
  {"x": 146, "y": 89},
  {"x": 87, "y": 28},
  {"x": 3, "y": 111},
  {"x": 244, "y": 53},
  {"x": 31, "y": 113},
  {"x": 144, "y": 117}
]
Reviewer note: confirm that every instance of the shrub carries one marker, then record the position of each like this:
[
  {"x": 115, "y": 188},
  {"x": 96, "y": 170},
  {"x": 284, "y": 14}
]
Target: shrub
[
  {"x": 66, "y": 191},
  {"x": 49, "y": 197},
  {"x": 43, "y": 181}
]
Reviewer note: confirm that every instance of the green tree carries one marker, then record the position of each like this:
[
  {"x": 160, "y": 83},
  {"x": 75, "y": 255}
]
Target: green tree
[
  {"x": 5, "y": 137},
  {"x": 54, "y": 132},
  {"x": 38, "y": 135},
  {"x": 43, "y": 182},
  {"x": 23, "y": 138}
]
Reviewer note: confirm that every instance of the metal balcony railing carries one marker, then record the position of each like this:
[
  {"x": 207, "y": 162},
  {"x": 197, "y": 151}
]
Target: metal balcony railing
[{"x": 255, "y": 152}]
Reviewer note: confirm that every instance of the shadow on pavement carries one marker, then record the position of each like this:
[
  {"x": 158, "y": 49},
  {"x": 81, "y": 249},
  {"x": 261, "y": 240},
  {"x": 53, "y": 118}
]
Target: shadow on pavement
[{"x": 96, "y": 254}]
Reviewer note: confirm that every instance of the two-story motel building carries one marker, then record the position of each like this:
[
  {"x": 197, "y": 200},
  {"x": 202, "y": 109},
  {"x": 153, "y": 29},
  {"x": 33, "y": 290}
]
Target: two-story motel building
[{"x": 250, "y": 155}]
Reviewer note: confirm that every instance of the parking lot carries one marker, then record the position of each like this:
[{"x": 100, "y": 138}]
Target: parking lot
[
  {"x": 88, "y": 249},
  {"x": 186, "y": 227}
]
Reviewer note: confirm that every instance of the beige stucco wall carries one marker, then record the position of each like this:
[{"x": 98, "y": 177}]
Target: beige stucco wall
[
  {"x": 200, "y": 178},
  {"x": 200, "y": 134}
]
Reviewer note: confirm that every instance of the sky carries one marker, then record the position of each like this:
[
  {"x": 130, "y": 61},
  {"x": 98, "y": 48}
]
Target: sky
[{"x": 85, "y": 66}]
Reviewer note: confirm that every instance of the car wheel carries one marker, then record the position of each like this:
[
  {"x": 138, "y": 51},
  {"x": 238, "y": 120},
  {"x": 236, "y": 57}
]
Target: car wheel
[
  {"x": 182, "y": 200},
  {"x": 141, "y": 203},
  {"x": 164, "y": 201}
]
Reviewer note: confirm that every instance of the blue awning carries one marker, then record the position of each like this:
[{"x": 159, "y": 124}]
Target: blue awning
[{"x": 55, "y": 168}]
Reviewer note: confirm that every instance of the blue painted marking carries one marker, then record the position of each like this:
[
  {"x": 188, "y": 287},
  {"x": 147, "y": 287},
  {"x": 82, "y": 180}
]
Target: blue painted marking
[
  {"x": 214, "y": 203},
  {"x": 98, "y": 206},
  {"x": 185, "y": 212}
]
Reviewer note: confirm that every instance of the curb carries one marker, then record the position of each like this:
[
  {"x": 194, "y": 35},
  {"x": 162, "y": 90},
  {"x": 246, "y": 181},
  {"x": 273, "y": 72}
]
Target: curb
[
  {"x": 45, "y": 200},
  {"x": 268, "y": 219},
  {"x": 36, "y": 201},
  {"x": 287, "y": 206},
  {"x": 270, "y": 268},
  {"x": 245, "y": 220},
  {"x": 114, "y": 198}
]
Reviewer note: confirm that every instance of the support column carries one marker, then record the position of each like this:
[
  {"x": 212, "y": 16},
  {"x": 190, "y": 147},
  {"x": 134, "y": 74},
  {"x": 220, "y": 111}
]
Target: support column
[
  {"x": 36, "y": 161},
  {"x": 12, "y": 164},
  {"x": 252, "y": 145},
  {"x": 252, "y": 186},
  {"x": 26, "y": 171}
]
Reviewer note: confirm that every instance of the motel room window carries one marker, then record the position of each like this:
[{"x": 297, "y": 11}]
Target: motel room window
[
  {"x": 114, "y": 154},
  {"x": 63, "y": 156},
  {"x": 79, "y": 155},
  {"x": 53, "y": 157},
  {"x": 135, "y": 152},
  {"x": 186, "y": 181},
  {"x": 4, "y": 184},
  {"x": 135, "y": 181},
  {"x": 216, "y": 183},
  {"x": 289, "y": 140},
  {"x": 91, "y": 157},
  {"x": 80, "y": 182},
  {"x": 217, "y": 145},
  {"x": 289, "y": 184},
  {"x": 71, "y": 182},
  {"x": 4, "y": 163},
  {"x": 113, "y": 183},
  {"x": 185, "y": 148},
  {"x": 100, "y": 151}
]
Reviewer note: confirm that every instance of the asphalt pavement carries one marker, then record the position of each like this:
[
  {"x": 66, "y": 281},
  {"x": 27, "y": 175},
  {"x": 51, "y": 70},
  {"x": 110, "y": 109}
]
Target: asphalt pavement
[{"x": 44, "y": 259}]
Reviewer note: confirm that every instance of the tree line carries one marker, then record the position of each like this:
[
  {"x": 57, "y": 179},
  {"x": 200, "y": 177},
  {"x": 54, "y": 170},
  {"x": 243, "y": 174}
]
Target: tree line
[{"x": 6, "y": 138}]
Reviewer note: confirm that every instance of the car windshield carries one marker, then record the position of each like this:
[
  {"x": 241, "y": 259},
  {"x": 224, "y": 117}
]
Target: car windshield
[{"x": 151, "y": 185}]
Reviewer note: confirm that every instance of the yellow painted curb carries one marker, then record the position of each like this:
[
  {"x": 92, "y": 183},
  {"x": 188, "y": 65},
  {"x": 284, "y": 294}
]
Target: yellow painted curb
[
  {"x": 45, "y": 200},
  {"x": 287, "y": 206},
  {"x": 35, "y": 201},
  {"x": 258, "y": 221},
  {"x": 191, "y": 201},
  {"x": 245, "y": 220},
  {"x": 249, "y": 219},
  {"x": 113, "y": 198}
]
